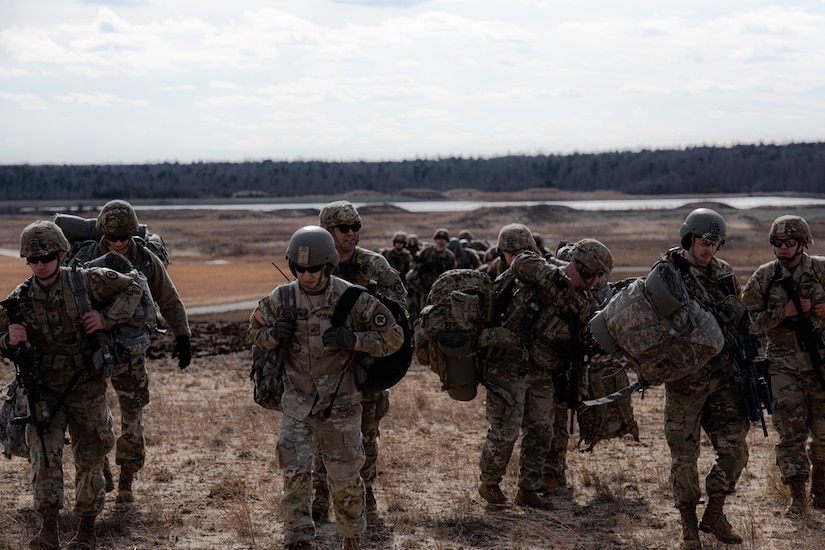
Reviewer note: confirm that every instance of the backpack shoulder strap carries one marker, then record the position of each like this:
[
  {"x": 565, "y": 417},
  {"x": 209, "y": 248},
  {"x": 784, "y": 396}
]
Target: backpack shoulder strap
[
  {"x": 287, "y": 294},
  {"x": 344, "y": 305}
]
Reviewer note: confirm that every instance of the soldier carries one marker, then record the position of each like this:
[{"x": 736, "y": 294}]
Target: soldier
[
  {"x": 320, "y": 400},
  {"x": 465, "y": 257},
  {"x": 363, "y": 267},
  {"x": 493, "y": 264},
  {"x": 478, "y": 246},
  {"x": 554, "y": 473},
  {"x": 427, "y": 265},
  {"x": 398, "y": 256},
  {"x": 783, "y": 297},
  {"x": 707, "y": 399},
  {"x": 520, "y": 394},
  {"x": 118, "y": 221},
  {"x": 413, "y": 245},
  {"x": 73, "y": 391}
]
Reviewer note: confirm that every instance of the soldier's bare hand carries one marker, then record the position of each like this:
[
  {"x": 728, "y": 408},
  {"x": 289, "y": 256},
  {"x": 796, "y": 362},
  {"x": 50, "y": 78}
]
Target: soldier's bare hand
[
  {"x": 92, "y": 321},
  {"x": 819, "y": 309},
  {"x": 17, "y": 334},
  {"x": 790, "y": 309}
]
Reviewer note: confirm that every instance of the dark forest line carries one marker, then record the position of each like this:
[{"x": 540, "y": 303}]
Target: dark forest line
[{"x": 748, "y": 169}]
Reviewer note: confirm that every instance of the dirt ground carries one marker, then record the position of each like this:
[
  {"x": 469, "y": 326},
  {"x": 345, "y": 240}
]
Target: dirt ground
[{"x": 211, "y": 479}]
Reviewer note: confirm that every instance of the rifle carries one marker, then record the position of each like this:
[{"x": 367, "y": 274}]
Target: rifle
[
  {"x": 577, "y": 359},
  {"x": 104, "y": 358},
  {"x": 750, "y": 381},
  {"x": 810, "y": 339},
  {"x": 28, "y": 370}
]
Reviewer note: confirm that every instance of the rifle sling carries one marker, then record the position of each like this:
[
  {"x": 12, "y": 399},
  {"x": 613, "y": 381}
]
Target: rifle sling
[{"x": 615, "y": 396}]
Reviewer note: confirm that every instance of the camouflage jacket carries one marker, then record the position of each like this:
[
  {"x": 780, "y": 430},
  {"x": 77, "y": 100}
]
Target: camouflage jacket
[
  {"x": 163, "y": 289},
  {"x": 312, "y": 373},
  {"x": 545, "y": 309},
  {"x": 53, "y": 324},
  {"x": 365, "y": 266},
  {"x": 399, "y": 261},
  {"x": 765, "y": 299}
]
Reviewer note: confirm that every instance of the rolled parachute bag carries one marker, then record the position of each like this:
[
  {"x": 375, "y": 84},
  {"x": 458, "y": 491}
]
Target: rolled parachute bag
[
  {"x": 459, "y": 356},
  {"x": 598, "y": 328},
  {"x": 76, "y": 228}
]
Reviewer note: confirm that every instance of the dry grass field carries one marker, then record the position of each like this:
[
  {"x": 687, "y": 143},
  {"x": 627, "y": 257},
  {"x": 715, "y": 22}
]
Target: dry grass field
[{"x": 211, "y": 480}]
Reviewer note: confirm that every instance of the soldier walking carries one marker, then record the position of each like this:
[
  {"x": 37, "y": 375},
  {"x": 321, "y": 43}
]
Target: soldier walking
[
  {"x": 320, "y": 400},
  {"x": 786, "y": 301}
]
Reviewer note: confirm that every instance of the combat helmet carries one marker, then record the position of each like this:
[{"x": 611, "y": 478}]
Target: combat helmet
[
  {"x": 338, "y": 213},
  {"x": 704, "y": 223},
  {"x": 593, "y": 255},
  {"x": 791, "y": 227},
  {"x": 400, "y": 237},
  {"x": 310, "y": 246},
  {"x": 42, "y": 238},
  {"x": 117, "y": 218},
  {"x": 466, "y": 234},
  {"x": 515, "y": 236},
  {"x": 412, "y": 239}
]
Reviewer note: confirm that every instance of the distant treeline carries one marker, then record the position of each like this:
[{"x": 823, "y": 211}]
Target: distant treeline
[{"x": 798, "y": 167}]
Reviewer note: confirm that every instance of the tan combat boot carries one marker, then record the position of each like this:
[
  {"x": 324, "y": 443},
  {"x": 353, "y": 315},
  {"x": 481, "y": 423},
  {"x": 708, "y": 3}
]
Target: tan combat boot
[
  {"x": 551, "y": 483},
  {"x": 690, "y": 528},
  {"x": 818, "y": 487},
  {"x": 124, "y": 483},
  {"x": 320, "y": 505},
  {"x": 799, "y": 500},
  {"x": 714, "y": 521},
  {"x": 533, "y": 499},
  {"x": 85, "y": 539},
  {"x": 47, "y": 538},
  {"x": 352, "y": 543},
  {"x": 492, "y": 494}
]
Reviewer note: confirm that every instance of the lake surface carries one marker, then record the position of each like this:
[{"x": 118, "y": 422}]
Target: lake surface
[{"x": 739, "y": 202}]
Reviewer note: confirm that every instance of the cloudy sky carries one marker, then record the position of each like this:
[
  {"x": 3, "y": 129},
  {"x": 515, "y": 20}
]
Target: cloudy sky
[{"x": 134, "y": 81}]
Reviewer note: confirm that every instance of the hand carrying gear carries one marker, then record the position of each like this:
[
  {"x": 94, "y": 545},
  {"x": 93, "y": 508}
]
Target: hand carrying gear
[
  {"x": 339, "y": 337},
  {"x": 284, "y": 328},
  {"x": 183, "y": 350}
]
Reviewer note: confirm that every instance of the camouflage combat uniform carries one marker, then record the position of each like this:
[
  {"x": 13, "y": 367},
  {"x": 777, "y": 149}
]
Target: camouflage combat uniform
[
  {"x": 705, "y": 400},
  {"x": 521, "y": 394},
  {"x": 55, "y": 331},
  {"x": 131, "y": 379},
  {"x": 319, "y": 381},
  {"x": 399, "y": 260},
  {"x": 365, "y": 266},
  {"x": 799, "y": 410}
]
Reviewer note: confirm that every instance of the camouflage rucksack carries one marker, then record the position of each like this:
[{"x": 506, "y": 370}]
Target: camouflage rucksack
[
  {"x": 660, "y": 328},
  {"x": 449, "y": 329},
  {"x": 606, "y": 375},
  {"x": 12, "y": 435}
]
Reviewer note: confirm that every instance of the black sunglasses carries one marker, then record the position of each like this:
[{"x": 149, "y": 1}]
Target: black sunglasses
[
  {"x": 346, "y": 228},
  {"x": 42, "y": 259},
  {"x": 790, "y": 243},
  {"x": 118, "y": 238},
  {"x": 587, "y": 273},
  {"x": 311, "y": 269}
]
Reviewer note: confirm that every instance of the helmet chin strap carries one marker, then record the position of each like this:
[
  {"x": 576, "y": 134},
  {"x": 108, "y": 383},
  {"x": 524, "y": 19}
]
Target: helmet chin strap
[{"x": 792, "y": 258}]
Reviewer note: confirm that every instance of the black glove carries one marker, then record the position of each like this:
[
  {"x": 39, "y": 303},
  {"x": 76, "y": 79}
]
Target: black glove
[
  {"x": 284, "y": 328},
  {"x": 183, "y": 348},
  {"x": 339, "y": 337}
]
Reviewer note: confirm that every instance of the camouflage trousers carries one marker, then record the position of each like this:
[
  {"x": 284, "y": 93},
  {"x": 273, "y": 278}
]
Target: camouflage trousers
[
  {"x": 85, "y": 413},
  {"x": 523, "y": 401},
  {"x": 131, "y": 383},
  {"x": 702, "y": 402},
  {"x": 343, "y": 453},
  {"x": 799, "y": 413},
  {"x": 556, "y": 463},
  {"x": 374, "y": 407}
]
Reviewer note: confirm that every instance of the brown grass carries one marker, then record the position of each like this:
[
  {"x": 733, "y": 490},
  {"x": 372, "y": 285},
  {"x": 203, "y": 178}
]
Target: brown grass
[{"x": 211, "y": 478}]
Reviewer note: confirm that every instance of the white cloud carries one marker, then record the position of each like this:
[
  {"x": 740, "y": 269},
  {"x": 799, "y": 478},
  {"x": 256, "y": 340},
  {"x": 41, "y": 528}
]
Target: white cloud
[{"x": 396, "y": 78}]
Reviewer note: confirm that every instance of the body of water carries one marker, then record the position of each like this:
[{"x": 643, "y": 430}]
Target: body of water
[{"x": 662, "y": 203}]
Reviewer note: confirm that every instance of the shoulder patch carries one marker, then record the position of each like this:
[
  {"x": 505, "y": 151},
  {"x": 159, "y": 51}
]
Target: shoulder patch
[
  {"x": 111, "y": 274},
  {"x": 379, "y": 320},
  {"x": 398, "y": 287}
]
